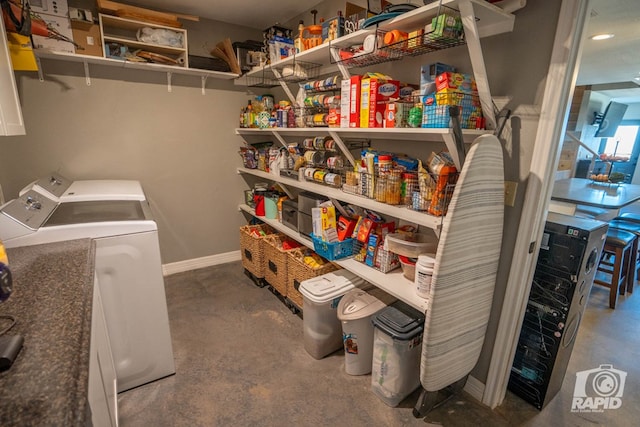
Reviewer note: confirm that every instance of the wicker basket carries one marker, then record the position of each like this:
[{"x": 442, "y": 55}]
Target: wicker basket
[
  {"x": 252, "y": 249},
  {"x": 276, "y": 260},
  {"x": 298, "y": 271}
]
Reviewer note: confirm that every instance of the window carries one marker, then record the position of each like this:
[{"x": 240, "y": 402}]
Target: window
[{"x": 622, "y": 143}]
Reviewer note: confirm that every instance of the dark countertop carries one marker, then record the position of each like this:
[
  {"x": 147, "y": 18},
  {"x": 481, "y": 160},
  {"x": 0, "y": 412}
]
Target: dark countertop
[{"x": 51, "y": 301}]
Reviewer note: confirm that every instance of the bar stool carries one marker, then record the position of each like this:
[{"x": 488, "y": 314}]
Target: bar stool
[
  {"x": 619, "y": 245},
  {"x": 632, "y": 227}
]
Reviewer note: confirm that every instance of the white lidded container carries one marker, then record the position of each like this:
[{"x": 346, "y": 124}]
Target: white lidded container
[
  {"x": 355, "y": 311},
  {"x": 424, "y": 274},
  {"x": 397, "y": 346},
  {"x": 321, "y": 295}
]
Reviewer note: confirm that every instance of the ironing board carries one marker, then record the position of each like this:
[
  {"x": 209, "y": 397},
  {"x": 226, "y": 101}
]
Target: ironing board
[{"x": 465, "y": 272}]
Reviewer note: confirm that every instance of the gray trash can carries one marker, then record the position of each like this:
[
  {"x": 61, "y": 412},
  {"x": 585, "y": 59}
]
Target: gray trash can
[
  {"x": 321, "y": 295},
  {"x": 397, "y": 339},
  {"x": 355, "y": 311}
]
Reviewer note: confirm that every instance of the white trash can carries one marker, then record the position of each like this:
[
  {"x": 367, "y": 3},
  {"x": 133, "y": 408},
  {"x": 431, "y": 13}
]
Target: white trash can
[
  {"x": 321, "y": 295},
  {"x": 354, "y": 312},
  {"x": 397, "y": 347}
]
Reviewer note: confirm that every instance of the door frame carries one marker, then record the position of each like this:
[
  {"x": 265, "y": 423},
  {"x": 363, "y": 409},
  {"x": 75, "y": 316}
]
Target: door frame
[{"x": 560, "y": 83}]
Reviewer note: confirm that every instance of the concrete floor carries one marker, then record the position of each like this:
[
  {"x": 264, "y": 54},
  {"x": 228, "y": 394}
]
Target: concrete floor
[{"x": 240, "y": 362}]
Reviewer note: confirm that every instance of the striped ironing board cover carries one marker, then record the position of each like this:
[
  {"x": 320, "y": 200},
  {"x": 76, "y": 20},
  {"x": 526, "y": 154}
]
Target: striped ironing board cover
[{"x": 465, "y": 270}]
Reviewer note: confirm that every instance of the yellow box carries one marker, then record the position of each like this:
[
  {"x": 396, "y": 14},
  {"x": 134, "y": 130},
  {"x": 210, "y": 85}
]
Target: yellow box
[{"x": 21, "y": 50}]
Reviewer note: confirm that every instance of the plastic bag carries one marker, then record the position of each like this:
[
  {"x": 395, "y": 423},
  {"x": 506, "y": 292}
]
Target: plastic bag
[{"x": 160, "y": 36}]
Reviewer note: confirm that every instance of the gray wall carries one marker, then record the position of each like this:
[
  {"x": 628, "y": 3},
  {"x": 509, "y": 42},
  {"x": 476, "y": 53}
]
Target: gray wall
[{"x": 180, "y": 145}]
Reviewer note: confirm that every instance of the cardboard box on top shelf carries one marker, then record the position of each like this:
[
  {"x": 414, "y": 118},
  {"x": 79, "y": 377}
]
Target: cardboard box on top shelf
[
  {"x": 62, "y": 25},
  {"x": 88, "y": 38}
]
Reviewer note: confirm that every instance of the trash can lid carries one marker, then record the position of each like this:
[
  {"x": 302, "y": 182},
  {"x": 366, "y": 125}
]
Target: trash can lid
[
  {"x": 358, "y": 303},
  {"x": 400, "y": 321},
  {"x": 324, "y": 288}
]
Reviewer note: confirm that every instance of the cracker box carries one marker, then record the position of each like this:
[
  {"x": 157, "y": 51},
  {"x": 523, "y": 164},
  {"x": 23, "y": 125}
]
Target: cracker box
[
  {"x": 456, "y": 81},
  {"x": 354, "y": 102},
  {"x": 376, "y": 92},
  {"x": 345, "y": 100}
]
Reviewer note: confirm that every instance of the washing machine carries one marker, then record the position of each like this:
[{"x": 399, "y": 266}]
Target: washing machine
[
  {"x": 62, "y": 189},
  {"x": 128, "y": 270}
]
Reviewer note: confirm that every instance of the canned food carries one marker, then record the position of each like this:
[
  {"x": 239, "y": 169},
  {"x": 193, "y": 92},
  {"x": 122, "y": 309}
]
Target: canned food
[
  {"x": 309, "y": 173},
  {"x": 319, "y": 175},
  {"x": 308, "y": 143},
  {"x": 334, "y": 162},
  {"x": 309, "y": 155},
  {"x": 330, "y": 144},
  {"x": 333, "y": 179},
  {"x": 318, "y": 142}
]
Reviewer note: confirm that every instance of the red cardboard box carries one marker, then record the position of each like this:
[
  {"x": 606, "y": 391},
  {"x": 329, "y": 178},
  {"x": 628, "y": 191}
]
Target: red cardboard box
[
  {"x": 380, "y": 92},
  {"x": 354, "y": 102},
  {"x": 456, "y": 81}
]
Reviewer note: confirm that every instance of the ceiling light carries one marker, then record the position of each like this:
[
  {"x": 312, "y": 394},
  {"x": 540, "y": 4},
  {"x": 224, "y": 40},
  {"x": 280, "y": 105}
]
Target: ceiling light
[{"x": 601, "y": 36}]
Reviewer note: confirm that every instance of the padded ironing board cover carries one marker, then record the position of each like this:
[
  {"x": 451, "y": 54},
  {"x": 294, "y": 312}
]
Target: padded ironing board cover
[{"x": 465, "y": 270}]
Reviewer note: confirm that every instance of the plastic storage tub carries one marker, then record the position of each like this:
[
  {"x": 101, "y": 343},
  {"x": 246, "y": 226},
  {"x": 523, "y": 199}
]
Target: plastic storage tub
[
  {"x": 411, "y": 244},
  {"x": 355, "y": 311},
  {"x": 321, "y": 295},
  {"x": 397, "y": 339}
]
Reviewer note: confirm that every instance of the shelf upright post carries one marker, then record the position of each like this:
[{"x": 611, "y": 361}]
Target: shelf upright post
[
  {"x": 477, "y": 61},
  {"x": 86, "y": 73},
  {"x": 203, "y": 82},
  {"x": 40, "y": 75}
]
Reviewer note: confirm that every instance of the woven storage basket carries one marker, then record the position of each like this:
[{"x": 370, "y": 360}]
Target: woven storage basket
[
  {"x": 298, "y": 271},
  {"x": 276, "y": 260},
  {"x": 252, "y": 249}
]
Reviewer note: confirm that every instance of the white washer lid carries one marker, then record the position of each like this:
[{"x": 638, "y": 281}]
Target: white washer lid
[
  {"x": 103, "y": 189},
  {"x": 358, "y": 303},
  {"x": 324, "y": 288}
]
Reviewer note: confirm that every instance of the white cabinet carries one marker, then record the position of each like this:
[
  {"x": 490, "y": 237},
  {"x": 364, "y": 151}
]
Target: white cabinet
[
  {"x": 127, "y": 32},
  {"x": 11, "y": 122},
  {"x": 103, "y": 398}
]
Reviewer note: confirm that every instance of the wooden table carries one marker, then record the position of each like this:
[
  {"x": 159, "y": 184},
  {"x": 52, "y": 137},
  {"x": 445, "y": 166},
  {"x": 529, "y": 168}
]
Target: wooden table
[{"x": 570, "y": 193}]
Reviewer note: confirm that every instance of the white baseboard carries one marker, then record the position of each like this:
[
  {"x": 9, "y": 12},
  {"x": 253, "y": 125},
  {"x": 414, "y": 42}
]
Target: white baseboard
[
  {"x": 196, "y": 263},
  {"x": 475, "y": 388}
]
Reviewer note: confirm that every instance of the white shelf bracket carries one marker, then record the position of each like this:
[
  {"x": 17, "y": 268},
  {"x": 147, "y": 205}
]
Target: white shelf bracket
[
  {"x": 279, "y": 137},
  {"x": 284, "y": 85},
  {"x": 203, "y": 82},
  {"x": 286, "y": 190},
  {"x": 453, "y": 149},
  {"x": 169, "y": 75},
  {"x": 40, "y": 75},
  {"x": 336, "y": 57},
  {"x": 343, "y": 147},
  {"x": 86, "y": 73},
  {"x": 472, "y": 37}
]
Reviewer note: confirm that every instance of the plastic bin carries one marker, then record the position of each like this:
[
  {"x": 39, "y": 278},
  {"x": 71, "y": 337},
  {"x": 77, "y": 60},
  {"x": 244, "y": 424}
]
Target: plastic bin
[
  {"x": 355, "y": 311},
  {"x": 397, "y": 339},
  {"x": 411, "y": 244},
  {"x": 321, "y": 295}
]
